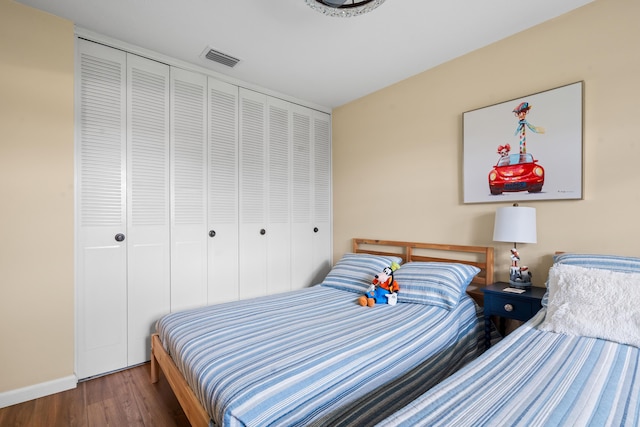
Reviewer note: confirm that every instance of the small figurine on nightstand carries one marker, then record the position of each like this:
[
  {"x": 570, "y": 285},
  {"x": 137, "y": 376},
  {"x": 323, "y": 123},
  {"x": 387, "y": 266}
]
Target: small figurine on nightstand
[{"x": 519, "y": 277}]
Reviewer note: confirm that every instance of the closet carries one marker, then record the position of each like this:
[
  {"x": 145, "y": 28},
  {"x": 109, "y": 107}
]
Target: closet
[{"x": 190, "y": 191}]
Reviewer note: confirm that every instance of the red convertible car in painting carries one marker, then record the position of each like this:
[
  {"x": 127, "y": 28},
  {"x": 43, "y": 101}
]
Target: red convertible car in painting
[{"x": 516, "y": 172}]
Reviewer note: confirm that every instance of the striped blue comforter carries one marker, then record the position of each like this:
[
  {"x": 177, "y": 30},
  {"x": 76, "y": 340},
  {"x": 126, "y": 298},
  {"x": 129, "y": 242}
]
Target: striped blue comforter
[
  {"x": 536, "y": 378},
  {"x": 314, "y": 355}
]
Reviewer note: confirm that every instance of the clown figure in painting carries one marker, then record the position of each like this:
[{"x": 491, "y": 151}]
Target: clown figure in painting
[
  {"x": 521, "y": 112},
  {"x": 504, "y": 150}
]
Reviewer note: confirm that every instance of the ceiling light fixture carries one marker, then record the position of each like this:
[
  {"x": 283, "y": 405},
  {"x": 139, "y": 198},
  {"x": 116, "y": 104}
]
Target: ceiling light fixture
[{"x": 344, "y": 8}]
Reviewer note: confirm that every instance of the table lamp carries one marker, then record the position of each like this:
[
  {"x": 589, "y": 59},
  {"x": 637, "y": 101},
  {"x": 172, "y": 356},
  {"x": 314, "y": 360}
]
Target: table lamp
[{"x": 516, "y": 224}]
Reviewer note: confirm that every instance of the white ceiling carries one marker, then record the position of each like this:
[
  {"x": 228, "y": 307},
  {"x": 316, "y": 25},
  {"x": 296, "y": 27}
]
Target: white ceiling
[{"x": 287, "y": 47}]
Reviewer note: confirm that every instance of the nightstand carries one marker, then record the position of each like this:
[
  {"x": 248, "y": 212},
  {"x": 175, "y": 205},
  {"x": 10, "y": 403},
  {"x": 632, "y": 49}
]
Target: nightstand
[{"x": 509, "y": 305}]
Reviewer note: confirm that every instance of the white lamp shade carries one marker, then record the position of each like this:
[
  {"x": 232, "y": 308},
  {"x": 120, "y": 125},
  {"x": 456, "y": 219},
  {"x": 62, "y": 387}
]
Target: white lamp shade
[{"x": 515, "y": 224}]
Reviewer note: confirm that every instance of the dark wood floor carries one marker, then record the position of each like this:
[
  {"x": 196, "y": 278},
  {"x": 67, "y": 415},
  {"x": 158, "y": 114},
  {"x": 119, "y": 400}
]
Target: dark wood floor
[{"x": 122, "y": 399}]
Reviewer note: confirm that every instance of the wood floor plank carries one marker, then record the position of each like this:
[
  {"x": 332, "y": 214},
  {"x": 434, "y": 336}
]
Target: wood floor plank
[
  {"x": 18, "y": 415},
  {"x": 161, "y": 408},
  {"x": 113, "y": 404},
  {"x": 125, "y": 398},
  {"x": 61, "y": 409}
]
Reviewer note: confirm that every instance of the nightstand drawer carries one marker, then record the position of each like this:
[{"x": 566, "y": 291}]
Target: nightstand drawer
[{"x": 513, "y": 308}]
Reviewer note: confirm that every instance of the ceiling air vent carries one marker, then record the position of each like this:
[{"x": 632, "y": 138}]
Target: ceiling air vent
[{"x": 220, "y": 58}]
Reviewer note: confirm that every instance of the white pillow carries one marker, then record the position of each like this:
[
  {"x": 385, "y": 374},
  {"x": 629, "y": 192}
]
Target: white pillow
[{"x": 594, "y": 303}]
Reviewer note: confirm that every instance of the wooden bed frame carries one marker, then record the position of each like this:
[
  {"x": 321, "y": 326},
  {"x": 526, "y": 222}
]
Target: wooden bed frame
[{"x": 479, "y": 256}]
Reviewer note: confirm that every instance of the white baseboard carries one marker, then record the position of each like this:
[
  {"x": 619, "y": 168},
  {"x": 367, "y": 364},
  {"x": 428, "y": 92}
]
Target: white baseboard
[{"x": 35, "y": 391}]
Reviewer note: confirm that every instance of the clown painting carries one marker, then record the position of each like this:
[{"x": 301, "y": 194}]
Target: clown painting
[{"x": 547, "y": 131}]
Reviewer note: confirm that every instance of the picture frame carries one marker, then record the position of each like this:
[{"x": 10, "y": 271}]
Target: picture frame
[{"x": 525, "y": 149}]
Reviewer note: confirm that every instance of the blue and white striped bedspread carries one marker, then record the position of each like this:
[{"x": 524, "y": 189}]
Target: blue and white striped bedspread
[
  {"x": 536, "y": 378},
  {"x": 296, "y": 358}
]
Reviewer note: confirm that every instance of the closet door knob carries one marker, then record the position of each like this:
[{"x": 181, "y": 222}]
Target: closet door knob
[
  {"x": 119, "y": 237},
  {"x": 263, "y": 232},
  {"x": 212, "y": 233},
  {"x": 315, "y": 229}
]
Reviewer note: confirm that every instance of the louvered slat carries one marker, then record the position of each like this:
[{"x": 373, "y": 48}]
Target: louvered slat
[
  {"x": 278, "y": 170},
  {"x": 149, "y": 182},
  {"x": 301, "y": 209},
  {"x": 322, "y": 170},
  {"x": 223, "y": 158},
  {"x": 101, "y": 148},
  {"x": 252, "y": 161},
  {"x": 188, "y": 148}
]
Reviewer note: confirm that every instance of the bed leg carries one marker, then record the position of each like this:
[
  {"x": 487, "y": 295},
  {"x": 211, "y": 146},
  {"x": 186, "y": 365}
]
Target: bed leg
[
  {"x": 154, "y": 362},
  {"x": 190, "y": 404}
]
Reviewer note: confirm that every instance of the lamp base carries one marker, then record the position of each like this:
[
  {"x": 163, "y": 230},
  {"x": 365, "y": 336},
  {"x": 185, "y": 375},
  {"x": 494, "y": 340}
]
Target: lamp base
[
  {"x": 520, "y": 285},
  {"x": 520, "y": 277}
]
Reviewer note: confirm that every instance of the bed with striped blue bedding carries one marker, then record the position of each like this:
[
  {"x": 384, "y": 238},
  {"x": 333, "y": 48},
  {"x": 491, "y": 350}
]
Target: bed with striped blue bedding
[
  {"x": 536, "y": 378},
  {"x": 312, "y": 355}
]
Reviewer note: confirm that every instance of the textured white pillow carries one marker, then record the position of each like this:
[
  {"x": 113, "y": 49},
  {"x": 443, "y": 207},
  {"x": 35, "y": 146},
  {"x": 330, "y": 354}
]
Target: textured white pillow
[{"x": 594, "y": 303}]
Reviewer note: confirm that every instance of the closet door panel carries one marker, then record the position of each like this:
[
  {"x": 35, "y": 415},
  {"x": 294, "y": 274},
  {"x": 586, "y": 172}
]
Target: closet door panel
[
  {"x": 148, "y": 244},
  {"x": 188, "y": 189},
  {"x": 253, "y": 227},
  {"x": 101, "y": 290},
  {"x": 311, "y": 204},
  {"x": 223, "y": 283},
  {"x": 301, "y": 208},
  {"x": 322, "y": 197},
  {"x": 102, "y": 336},
  {"x": 278, "y": 196}
]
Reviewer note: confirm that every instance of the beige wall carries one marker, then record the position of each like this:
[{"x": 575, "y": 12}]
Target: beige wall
[
  {"x": 404, "y": 143},
  {"x": 36, "y": 197}
]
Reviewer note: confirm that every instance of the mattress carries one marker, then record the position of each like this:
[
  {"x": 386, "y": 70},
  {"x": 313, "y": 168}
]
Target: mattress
[
  {"x": 536, "y": 378},
  {"x": 315, "y": 356}
]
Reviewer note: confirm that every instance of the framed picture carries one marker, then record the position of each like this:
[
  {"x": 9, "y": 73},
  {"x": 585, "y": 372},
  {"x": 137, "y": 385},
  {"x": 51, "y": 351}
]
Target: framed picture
[{"x": 525, "y": 149}]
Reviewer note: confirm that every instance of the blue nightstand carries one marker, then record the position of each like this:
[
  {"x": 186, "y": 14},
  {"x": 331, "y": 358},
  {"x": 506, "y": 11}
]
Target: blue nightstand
[{"x": 508, "y": 305}]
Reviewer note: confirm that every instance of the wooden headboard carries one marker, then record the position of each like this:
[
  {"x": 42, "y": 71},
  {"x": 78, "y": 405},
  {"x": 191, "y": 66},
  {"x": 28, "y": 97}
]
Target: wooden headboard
[{"x": 479, "y": 256}]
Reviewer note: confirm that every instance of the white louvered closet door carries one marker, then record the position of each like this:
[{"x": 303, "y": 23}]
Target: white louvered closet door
[
  {"x": 278, "y": 196},
  {"x": 301, "y": 207},
  {"x": 253, "y": 226},
  {"x": 223, "y": 192},
  {"x": 322, "y": 205},
  {"x": 188, "y": 189},
  {"x": 123, "y": 206},
  {"x": 101, "y": 290},
  {"x": 311, "y": 200},
  {"x": 148, "y": 244}
]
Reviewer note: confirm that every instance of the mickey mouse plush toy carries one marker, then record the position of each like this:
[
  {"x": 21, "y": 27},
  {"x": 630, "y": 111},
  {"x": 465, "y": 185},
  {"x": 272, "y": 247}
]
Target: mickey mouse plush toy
[{"x": 383, "y": 290}]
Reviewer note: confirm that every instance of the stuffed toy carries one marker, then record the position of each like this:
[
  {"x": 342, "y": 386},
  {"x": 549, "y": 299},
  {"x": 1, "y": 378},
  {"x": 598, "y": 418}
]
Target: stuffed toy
[{"x": 383, "y": 290}]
